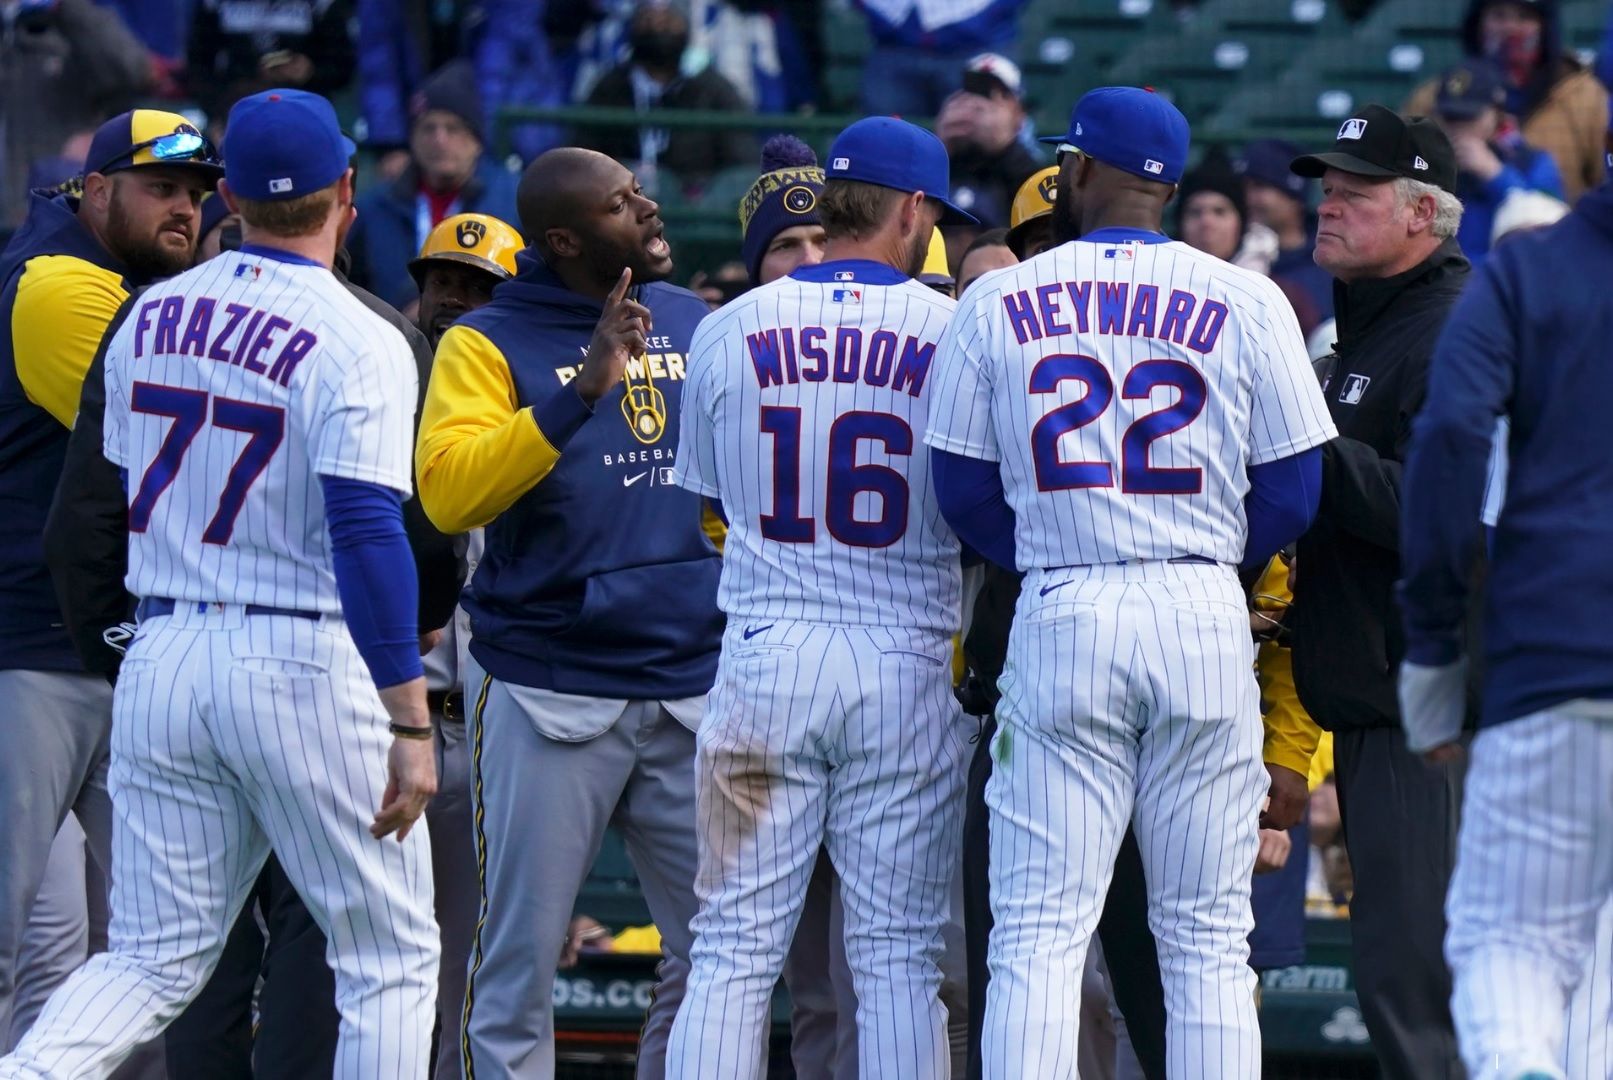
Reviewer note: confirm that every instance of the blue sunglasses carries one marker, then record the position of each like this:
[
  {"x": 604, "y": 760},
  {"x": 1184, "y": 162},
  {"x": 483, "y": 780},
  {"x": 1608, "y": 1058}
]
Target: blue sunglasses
[{"x": 178, "y": 146}]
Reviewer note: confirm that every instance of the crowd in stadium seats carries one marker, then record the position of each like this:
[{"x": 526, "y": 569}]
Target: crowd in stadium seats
[{"x": 422, "y": 86}]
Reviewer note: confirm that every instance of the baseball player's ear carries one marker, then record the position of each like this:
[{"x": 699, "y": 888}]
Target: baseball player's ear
[
  {"x": 563, "y": 243},
  {"x": 228, "y": 196}
]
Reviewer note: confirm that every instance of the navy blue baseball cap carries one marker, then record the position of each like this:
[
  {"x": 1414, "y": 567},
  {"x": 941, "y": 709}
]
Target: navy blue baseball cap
[
  {"x": 892, "y": 153},
  {"x": 1469, "y": 88},
  {"x": 285, "y": 144},
  {"x": 1131, "y": 129}
]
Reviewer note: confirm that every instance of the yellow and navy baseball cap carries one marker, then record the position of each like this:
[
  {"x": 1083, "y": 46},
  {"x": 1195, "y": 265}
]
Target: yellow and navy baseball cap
[
  {"x": 146, "y": 137},
  {"x": 478, "y": 240},
  {"x": 935, "y": 270},
  {"x": 1032, "y": 203}
]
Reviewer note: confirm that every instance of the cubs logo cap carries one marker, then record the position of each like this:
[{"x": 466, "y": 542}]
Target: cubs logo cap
[
  {"x": 1129, "y": 128},
  {"x": 146, "y": 137},
  {"x": 478, "y": 240},
  {"x": 1378, "y": 142},
  {"x": 284, "y": 144},
  {"x": 888, "y": 152}
]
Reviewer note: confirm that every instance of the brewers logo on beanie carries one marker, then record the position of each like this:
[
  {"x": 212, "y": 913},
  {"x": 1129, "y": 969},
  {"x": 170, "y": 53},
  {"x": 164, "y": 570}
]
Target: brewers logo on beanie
[{"x": 785, "y": 195}]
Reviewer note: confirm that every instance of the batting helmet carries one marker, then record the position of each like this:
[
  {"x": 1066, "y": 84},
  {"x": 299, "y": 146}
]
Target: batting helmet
[
  {"x": 473, "y": 239},
  {"x": 1033, "y": 202}
]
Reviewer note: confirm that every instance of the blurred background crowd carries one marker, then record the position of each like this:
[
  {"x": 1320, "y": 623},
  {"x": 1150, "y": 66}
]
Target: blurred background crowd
[{"x": 447, "y": 98}]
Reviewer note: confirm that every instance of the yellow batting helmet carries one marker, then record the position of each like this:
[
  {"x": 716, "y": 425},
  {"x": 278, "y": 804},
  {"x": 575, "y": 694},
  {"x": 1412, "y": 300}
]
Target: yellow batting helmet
[
  {"x": 473, "y": 239},
  {"x": 1032, "y": 202}
]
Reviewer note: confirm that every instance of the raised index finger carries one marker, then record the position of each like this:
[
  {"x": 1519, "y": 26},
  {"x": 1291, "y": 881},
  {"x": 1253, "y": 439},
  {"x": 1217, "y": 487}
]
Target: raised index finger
[{"x": 620, "y": 290}]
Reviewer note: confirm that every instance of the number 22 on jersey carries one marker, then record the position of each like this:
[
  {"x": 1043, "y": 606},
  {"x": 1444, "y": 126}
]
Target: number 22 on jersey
[
  {"x": 265, "y": 426},
  {"x": 1137, "y": 475}
]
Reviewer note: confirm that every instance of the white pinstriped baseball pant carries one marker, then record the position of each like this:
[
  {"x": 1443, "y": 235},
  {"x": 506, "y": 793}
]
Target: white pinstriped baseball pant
[
  {"x": 839, "y": 736},
  {"x": 1534, "y": 875},
  {"x": 1128, "y": 696},
  {"x": 233, "y": 734}
]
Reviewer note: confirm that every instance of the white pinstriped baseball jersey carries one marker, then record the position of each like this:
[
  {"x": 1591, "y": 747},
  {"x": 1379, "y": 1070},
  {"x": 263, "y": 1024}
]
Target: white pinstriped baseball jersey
[
  {"x": 1125, "y": 386},
  {"x": 805, "y": 403},
  {"x": 229, "y": 390}
]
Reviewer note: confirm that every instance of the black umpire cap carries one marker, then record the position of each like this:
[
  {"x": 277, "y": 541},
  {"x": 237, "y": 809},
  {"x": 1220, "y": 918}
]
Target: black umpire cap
[{"x": 1377, "y": 142}]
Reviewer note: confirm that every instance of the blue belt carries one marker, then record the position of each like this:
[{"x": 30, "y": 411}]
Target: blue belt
[
  {"x": 1195, "y": 560},
  {"x": 153, "y": 606}
]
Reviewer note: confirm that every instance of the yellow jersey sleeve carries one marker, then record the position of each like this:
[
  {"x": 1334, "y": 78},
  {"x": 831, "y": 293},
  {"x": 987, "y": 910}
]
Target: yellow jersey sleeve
[
  {"x": 477, "y": 452},
  {"x": 61, "y": 311},
  {"x": 711, "y": 524},
  {"x": 1291, "y": 735}
]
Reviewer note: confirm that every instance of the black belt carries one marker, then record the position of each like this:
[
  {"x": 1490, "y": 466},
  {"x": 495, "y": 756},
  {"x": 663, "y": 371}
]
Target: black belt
[
  {"x": 449, "y": 704},
  {"x": 153, "y": 606}
]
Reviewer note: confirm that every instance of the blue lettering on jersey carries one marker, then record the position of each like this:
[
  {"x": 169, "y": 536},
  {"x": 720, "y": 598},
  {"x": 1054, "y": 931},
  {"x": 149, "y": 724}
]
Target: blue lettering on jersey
[
  {"x": 1111, "y": 306},
  {"x": 1047, "y": 302},
  {"x": 1177, "y": 311},
  {"x": 1020, "y": 316},
  {"x": 848, "y": 353},
  {"x": 1121, "y": 310},
  {"x": 163, "y": 318},
  {"x": 878, "y": 360},
  {"x": 764, "y": 357}
]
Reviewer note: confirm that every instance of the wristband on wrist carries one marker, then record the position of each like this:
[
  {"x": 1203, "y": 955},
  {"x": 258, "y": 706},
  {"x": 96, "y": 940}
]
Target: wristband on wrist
[{"x": 408, "y": 731}]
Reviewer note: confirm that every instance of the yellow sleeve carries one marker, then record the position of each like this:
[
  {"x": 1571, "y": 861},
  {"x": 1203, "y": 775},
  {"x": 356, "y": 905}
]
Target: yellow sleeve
[
  {"x": 62, "y": 309},
  {"x": 1291, "y": 735},
  {"x": 638, "y": 939},
  {"x": 711, "y": 524},
  {"x": 477, "y": 452}
]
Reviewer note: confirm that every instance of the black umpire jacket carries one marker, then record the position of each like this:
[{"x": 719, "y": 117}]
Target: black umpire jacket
[
  {"x": 1347, "y": 636},
  {"x": 87, "y": 532}
]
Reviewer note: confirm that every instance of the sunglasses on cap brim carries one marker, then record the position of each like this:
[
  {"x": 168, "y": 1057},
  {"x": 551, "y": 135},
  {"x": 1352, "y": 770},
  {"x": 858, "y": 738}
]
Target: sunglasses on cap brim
[
  {"x": 1063, "y": 149},
  {"x": 179, "y": 147}
]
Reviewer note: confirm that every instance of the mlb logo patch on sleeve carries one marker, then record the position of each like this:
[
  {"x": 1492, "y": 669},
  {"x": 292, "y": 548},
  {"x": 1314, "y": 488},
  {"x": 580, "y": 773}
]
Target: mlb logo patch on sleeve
[{"x": 1355, "y": 386}]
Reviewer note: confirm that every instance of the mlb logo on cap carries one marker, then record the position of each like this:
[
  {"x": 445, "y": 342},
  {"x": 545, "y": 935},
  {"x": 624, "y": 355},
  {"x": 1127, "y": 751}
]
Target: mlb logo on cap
[
  {"x": 840, "y": 163},
  {"x": 1352, "y": 129},
  {"x": 1131, "y": 129},
  {"x": 280, "y": 186}
]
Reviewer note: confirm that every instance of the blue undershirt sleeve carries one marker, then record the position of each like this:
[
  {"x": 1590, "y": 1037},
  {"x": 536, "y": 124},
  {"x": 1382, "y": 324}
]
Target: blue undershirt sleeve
[
  {"x": 375, "y": 576},
  {"x": 970, "y": 492},
  {"x": 1281, "y": 504}
]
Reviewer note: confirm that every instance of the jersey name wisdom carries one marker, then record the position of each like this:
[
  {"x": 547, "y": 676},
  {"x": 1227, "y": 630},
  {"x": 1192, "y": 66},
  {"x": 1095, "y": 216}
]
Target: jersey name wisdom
[
  {"x": 1183, "y": 318},
  {"x": 209, "y": 333},
  {"x": 810, "y": 354}
]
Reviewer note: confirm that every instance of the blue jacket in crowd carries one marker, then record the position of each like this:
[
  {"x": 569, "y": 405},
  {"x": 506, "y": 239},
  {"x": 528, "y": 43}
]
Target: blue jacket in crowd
[
  {"x": 1529, "y": 338},
  {"x": 1523, "y": 168}
]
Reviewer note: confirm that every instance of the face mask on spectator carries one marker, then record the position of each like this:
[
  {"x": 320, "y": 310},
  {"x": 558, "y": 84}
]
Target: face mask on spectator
[{"x": 1517, "y": 50}]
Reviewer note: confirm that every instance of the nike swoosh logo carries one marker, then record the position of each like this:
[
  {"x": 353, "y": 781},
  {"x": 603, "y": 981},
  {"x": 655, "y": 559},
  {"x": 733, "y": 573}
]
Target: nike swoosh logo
[
  {"x": 753, "y": 631},
  {"x": 629, "y": 481},
  {"x": 1049, "y": 588}
]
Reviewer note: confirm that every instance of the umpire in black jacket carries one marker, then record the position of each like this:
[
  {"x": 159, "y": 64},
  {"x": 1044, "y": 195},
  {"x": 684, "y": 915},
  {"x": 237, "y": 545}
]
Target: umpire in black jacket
[{"x": 1388, "y": 219}]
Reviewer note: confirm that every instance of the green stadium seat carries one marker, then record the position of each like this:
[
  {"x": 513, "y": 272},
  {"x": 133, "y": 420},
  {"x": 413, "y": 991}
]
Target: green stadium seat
[
  {"x": 1200, "y": 69},
  {"x": 1584, "y": 24},
  {"x": 1292, "y": 18}
]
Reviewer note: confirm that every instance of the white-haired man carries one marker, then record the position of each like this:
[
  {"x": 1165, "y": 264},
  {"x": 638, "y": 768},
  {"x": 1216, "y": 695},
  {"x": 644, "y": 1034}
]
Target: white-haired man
[{"x": 1386, "y": 232}]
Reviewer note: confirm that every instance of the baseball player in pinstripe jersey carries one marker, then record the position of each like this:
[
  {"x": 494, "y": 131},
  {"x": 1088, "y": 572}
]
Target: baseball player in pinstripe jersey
[
  {"x": 262, "y": 418},
  {"x": 1127, "y": 420},
  {"x": 832, "y": 721}
]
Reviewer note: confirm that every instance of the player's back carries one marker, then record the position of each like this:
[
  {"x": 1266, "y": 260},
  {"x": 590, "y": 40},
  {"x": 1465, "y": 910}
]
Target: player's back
[
  {"x": 1130, "y": 383},
  {"x": 816, "y": 388},
  {"x": 230, "y": 388}
]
